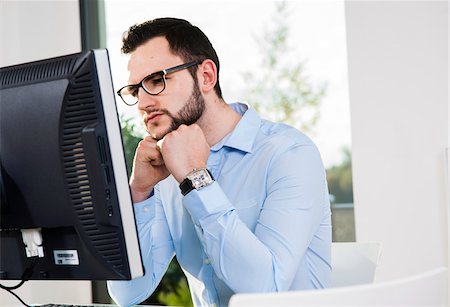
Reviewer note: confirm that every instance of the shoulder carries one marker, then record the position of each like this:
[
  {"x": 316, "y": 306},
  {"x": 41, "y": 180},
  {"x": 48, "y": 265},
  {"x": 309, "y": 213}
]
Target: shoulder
[
  {"x": 286, "y": 146},
  {"x": 282, "y": 136}
]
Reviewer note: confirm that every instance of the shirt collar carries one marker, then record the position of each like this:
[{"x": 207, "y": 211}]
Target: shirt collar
[{"x": 243, "y": 135}]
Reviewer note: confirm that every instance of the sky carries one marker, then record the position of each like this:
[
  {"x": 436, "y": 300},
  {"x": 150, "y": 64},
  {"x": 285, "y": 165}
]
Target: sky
[{"x": 317, "y": 38}]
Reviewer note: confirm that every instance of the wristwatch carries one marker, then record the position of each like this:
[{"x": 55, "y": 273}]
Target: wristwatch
[{"x": 197, "y": 179}]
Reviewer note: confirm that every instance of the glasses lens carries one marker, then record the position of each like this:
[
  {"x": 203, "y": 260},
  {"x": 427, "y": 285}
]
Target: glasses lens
[
  {"x": 154, "y": 84},
  {"x": 129, "y": 95}
]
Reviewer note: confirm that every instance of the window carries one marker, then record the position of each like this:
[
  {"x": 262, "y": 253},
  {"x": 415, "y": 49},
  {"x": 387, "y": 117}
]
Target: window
[
  {"x": 241, "y": 32},
  {"x": 315, "y": 40}
]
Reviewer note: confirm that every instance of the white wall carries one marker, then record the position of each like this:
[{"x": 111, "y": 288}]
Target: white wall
[
  {"x": 45, "y": 292},
  {"x": 398, "y": 61},
  {"x": 33, "y": 30}
]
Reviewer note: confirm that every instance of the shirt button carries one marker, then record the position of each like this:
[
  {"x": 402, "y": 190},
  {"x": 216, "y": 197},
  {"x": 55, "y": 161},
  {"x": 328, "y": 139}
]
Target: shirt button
[
  {"x": 207, "y": 261},
  {"x": 213, "y": 305},
  {"x": 145, "y": 210}
]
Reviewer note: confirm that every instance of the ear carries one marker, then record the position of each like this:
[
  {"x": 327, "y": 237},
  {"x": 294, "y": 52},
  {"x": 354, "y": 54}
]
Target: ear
[{"x": 207, "y": 76}]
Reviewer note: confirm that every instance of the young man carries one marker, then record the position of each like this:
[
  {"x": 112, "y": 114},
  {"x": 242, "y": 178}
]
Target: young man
[{"x": 242, "y": 202}]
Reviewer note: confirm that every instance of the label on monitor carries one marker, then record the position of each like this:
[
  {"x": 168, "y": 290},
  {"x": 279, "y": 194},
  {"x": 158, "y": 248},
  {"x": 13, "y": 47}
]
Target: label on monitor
[{"x": 66, "y": 257}]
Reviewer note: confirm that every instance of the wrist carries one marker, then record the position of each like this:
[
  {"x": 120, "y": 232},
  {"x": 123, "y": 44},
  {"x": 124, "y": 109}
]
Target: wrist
[
  {"x": 182, "y": 174},
  {"x": 196, "y": 179},
  {"x": 139, "y": 195}
]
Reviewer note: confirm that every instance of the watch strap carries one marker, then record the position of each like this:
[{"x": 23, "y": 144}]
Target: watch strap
[{"x": 186, "y": 186}]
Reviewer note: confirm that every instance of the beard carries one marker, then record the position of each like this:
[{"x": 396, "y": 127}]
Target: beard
[{"x": 189, "y": 114}]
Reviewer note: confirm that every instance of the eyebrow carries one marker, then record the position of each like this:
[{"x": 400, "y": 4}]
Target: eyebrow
[{"x": 159, "y": 72}]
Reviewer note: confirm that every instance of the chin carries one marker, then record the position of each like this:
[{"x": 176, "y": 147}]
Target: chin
[{"x": 156, "y": 133}]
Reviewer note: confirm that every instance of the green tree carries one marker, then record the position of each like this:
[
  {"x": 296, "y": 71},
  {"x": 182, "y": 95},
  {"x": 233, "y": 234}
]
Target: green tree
[
  {"x": 279, "y": 88},
  {"x": 174, "y": 290},
  {"x": 339, "y": 179},
  {"x": 340, "y": 186},
  {"x": 130, "y": 139}
]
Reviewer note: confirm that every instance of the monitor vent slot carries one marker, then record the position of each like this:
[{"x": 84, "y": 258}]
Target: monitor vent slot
[
  {"x": 80, "y": 111},
  {"x": 36, "y": 71}
]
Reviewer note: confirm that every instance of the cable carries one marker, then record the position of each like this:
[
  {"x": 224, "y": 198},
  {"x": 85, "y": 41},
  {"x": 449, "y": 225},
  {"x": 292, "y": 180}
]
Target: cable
[
  {"x": 10, "y": 291},
  {"x": 25, "y": 276}
]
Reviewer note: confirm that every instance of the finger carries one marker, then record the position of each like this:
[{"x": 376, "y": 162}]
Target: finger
[
  {"x": 156, "y": 160},
  {"x": 148, "y": 152},
  {"x": 182, "y": 127},
  {"x": 149, "y": 138},
  {"x": 160, "y": 143}
]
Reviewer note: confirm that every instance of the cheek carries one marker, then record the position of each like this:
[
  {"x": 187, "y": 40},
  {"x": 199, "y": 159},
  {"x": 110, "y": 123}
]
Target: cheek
[
  {"x": 177, "y": 102},
  {"x": 182, "y": 87},
  {"x": 177, "y": 94}
]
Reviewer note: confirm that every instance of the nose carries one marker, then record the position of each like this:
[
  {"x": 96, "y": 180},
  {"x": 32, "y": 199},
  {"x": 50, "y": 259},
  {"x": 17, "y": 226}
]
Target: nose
[{"x": 146, "y": 100}]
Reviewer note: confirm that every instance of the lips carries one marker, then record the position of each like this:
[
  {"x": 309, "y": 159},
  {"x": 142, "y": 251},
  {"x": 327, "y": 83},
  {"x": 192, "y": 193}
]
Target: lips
[{"x": 153, "y": 117}]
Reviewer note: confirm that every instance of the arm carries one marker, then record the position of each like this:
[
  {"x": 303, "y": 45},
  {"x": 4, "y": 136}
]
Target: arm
[
  {"x": 266, "y": 259},
  {"x": 157, "y": 251},
  {"x": 154, "y": 236}
]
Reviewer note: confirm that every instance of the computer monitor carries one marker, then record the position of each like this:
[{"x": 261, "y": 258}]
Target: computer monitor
[{"x": 63, "y": 173}]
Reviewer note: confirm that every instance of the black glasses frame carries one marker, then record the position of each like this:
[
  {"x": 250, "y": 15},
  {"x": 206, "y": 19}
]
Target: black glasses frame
[{"x": 135, "y": 87}]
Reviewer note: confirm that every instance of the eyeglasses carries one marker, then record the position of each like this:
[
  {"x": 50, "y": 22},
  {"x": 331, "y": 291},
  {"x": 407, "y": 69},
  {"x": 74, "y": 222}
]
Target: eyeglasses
[{"x": 153, "y": 84}]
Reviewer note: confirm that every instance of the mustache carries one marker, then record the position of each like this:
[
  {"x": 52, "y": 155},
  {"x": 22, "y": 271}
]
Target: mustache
[{"x": 175, "y": 122}]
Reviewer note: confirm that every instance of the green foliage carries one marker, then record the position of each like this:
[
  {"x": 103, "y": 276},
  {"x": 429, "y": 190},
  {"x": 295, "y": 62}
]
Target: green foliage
[
  {"x": 339, "y": 179},
  {"x": 180, "y": 296},
  {"x": 173, "y": 290},
  {"x": 281, "y": 92},
  {"x": 130, "y": 140},
  {"x": 279, "y": 89}
]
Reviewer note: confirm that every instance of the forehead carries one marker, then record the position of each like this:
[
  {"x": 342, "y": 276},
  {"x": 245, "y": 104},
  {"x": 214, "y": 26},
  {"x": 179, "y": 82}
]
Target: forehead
[{"x": 152, "y": 56}]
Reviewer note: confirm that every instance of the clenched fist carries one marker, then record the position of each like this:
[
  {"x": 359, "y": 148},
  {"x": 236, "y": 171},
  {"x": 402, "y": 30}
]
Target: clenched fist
[
  {"x": 185, "y": 149},
  {"x": 148, "y": 169}
]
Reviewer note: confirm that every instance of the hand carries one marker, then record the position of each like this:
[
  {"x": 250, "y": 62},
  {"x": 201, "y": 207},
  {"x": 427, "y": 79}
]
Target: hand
[
  {"x": 185, "y": 149},
  {"x": 148, "y": 169}
]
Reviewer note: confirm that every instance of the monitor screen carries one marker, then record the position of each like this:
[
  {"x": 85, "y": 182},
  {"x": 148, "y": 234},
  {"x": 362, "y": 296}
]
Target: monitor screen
[{"x": 63, "y": 181}]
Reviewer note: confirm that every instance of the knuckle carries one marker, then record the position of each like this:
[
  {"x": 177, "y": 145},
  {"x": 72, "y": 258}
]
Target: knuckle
[
  {"x": 169, "y": 136},
  {"x": 140, "y": 144},
  {"x": 148, "y": 138}
]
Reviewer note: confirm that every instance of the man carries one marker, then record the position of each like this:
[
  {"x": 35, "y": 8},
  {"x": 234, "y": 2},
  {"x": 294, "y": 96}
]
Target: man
[{"x": 242, "y": 202}]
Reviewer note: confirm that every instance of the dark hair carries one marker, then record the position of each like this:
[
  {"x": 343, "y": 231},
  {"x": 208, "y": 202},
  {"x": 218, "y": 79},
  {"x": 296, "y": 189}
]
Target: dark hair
[{"x": 185, "y": 40}]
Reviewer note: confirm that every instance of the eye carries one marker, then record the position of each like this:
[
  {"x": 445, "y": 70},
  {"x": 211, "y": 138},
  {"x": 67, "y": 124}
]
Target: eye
[
  {"x": 133, "y": 90},
  {"x": 153, "y": 81},
  {"x": 156, "y": 80}
]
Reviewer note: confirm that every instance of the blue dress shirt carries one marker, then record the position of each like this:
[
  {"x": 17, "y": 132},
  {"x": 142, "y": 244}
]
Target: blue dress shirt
[{"x": 264, "y": 225}]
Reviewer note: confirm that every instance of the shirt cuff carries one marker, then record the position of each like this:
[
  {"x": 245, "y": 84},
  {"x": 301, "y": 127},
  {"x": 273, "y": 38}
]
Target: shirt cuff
[
  {"x": 144, "y": 211},
  {"x": 205, "y": 202}
]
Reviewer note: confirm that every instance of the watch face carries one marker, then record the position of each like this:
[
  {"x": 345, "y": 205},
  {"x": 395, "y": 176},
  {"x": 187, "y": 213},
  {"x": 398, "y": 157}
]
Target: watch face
[{"x": 200, "y": 178}]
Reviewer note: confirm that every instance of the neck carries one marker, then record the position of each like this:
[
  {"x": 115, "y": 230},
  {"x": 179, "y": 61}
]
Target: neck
[{"x": 218, "y": 120}]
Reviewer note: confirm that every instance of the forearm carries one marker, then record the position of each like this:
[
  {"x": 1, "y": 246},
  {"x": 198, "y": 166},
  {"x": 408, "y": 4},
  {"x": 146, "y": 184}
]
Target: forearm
[
  {"x": 156, "y": 250},
  {"x": 264, "y": 260},
  {"x": 241, "y": 259},
  {"x": 264, "y": 254}
]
